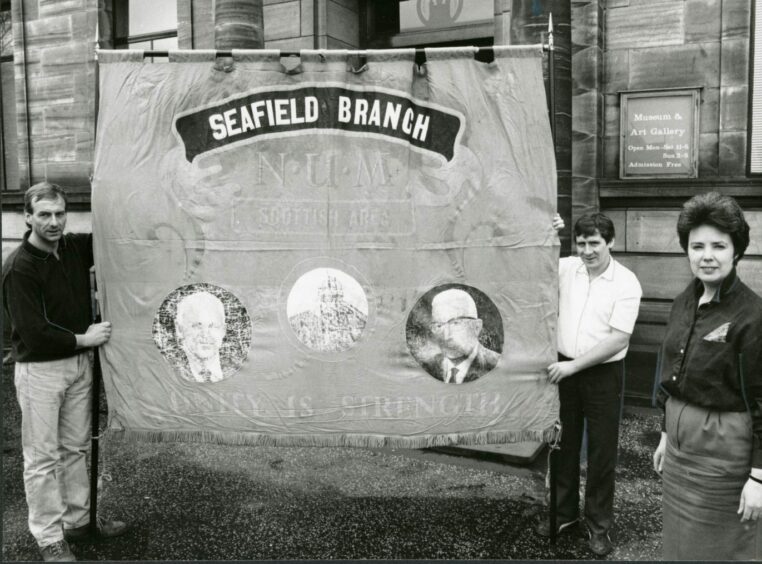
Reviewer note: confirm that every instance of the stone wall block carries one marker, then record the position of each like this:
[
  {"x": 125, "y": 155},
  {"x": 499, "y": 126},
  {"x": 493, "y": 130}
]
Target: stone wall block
[
  {"x": 733, "y": 153},
  {"x": 57, "y": 7},
  {"x": 184, "y": 30},
  {"x": 70, "y": 175},
  {"x": 334, "y": 43},
  {"x": 203, "y": 24},
  {"x": 616, "y": 70},
  {"x": 735, "y": 62},
  {"x": 30, "y": 10},
  {"x": 734, "y": 105},
  {"x": 36, "y": 123},
  {"x": 69, "y": 55},
  {"x": 585, "y": 111},
  {"x": 56, "y": 148},
  {"x": 32, "y": 53},
  {"x": 611, "y": 115},
  {"x": 585, "y": 191},
  {"x": 282, "y": 20},
  {"x": 648, "y": 4},
  {"x": 708, "y": 165},
  {"x": 665, "y": 67},
  {"x": 503, "y": 28},
  {"x": 611, "y": 156},
  {"x": 307, "y": 17},
  {"x": 68, "y": 117},
  {"x": 586, "y": 64},
  {"x": 343, "y": 24},
  {"x": 709, "y": 110},
  {"x": 22, "y": 151},
  {"x": 50, "y": 31},
  {"x": 634, "y": 27},
  {"x": 352, "y": 5},
  {"x": 51, "y": 88},
  {"x": 83, "y": 25},
  {"x": 735, "y": 19},
  {"x": 292, "y": 44},
  {"x": 584, "y": 155},
  {"x": 702, "y": 20},
  {"x": 586, "y": 27},
  {"x": 84, "y": 143},
  {"x": 84, "y": 84}
]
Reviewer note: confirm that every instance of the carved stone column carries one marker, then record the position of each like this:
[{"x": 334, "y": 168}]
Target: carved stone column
[
  {"x": 529, "y": 24},
  {"x": 587, "y": 104}
]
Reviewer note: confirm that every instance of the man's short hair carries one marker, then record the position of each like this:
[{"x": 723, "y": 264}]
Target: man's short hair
[
  {"x": 42, "y": 191},
  {"x": 721, "y": 212},
  {"x": 588, "y": 224}
]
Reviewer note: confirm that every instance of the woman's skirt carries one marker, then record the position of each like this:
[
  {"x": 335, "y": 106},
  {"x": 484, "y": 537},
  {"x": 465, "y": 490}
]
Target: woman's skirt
[{"x": 707, "y": 463}]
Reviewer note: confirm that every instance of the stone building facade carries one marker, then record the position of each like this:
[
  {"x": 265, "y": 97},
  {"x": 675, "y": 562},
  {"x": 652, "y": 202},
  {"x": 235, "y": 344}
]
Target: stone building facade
[{"x": 605, "y": 49}]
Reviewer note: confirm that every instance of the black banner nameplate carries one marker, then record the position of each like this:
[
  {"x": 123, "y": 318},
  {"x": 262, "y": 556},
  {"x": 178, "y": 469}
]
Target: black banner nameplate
[{"x": 283, "y": 111}]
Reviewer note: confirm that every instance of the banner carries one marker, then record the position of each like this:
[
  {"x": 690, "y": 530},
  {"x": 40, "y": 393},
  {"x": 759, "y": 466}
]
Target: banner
[{"x": 326, "y": 254}]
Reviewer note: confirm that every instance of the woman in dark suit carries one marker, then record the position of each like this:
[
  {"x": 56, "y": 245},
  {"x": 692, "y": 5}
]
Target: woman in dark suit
[{"x": 709, "y": 378}]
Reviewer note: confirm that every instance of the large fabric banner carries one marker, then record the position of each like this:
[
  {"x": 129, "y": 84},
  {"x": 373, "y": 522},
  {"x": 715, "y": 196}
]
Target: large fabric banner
[{"x": 330, "y": 250}]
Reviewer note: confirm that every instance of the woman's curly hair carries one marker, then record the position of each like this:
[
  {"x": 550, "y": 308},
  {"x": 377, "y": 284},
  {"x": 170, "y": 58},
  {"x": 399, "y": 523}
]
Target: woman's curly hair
[{"x": 721, "y": 212}]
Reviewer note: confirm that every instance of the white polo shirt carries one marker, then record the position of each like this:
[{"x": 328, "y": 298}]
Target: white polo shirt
[{"x": 588, "y": 310}]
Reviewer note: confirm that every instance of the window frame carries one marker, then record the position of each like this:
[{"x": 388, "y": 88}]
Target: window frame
[
  {"x": 5, "y": 7},
  {"x": 753, "y": 32},
  {"x": 388, "y": 35},
  {"x": 124, "y": 41}
]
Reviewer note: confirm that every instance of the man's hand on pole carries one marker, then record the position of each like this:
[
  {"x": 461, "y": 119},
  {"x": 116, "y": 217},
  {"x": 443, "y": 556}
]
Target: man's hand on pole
[{"x": 95, "y": 336}]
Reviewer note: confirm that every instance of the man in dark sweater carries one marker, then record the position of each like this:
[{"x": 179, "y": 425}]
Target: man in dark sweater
[{"x": 46, "y": 296}]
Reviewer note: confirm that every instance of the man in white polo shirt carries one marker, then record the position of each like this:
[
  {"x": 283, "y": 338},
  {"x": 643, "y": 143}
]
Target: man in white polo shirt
[{"x": 598, "y": 305}]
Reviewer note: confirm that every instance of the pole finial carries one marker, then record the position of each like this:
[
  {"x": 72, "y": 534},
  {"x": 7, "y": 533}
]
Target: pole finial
[{"x": 550, "y": 30}]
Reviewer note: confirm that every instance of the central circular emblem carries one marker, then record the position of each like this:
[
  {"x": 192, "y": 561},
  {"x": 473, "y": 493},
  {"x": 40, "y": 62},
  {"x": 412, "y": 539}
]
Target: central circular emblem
[{"x": 327, "y": 310}]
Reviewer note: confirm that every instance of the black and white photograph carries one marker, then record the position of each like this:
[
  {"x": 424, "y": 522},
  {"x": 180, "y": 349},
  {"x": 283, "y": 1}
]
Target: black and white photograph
[{"x": 381, "y": 280}]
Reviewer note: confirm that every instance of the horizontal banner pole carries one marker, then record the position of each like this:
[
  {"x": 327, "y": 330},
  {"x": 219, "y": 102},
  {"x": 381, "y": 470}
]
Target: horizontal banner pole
[{"x": 419, "y": 51}]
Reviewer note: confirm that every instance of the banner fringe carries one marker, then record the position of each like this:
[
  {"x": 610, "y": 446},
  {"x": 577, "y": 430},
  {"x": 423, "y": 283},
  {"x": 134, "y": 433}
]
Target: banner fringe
[{"x": 343, "y": 440}]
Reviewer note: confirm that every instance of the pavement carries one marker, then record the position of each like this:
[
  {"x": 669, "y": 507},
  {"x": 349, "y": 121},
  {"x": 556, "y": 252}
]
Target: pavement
[{"x": 193, "y": 501}]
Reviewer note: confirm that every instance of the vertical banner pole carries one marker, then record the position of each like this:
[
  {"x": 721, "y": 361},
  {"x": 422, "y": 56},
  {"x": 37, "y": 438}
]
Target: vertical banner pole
[
  {"x": 95, "y": 427},
  {"x": 552, "y": 110},
  {"x": 552, "y": 79},
  {"x": 97, "y": 375},
  {"x": 553, "y": 500}
]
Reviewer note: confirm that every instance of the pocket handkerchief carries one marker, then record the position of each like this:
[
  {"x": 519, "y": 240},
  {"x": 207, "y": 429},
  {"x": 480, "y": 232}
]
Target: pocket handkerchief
[{"x": 719, "y": 334}]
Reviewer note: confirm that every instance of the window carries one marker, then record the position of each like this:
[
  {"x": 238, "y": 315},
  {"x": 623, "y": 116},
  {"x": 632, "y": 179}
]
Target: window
[
  {"x": 755, "y": 97},
  {"x": 145, "y": 24},
  {"x": 430, "y": 23},
  {"x": 9, "y": 169}
]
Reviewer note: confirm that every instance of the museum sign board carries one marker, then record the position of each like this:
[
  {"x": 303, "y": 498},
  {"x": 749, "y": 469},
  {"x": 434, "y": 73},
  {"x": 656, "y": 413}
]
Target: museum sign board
[{"x": 659, "y": 134}]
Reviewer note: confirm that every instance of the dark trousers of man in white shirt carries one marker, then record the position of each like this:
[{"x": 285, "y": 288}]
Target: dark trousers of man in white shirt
[{"x": 594, "y": 395}]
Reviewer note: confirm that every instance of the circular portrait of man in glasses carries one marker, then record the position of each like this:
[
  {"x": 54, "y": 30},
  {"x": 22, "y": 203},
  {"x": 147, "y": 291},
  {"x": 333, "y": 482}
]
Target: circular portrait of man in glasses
[{"x": 455, "y": 332}]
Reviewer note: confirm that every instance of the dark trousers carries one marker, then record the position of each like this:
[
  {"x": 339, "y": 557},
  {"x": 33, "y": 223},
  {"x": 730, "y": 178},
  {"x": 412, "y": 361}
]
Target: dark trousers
[{"x": 592, "y": 395}]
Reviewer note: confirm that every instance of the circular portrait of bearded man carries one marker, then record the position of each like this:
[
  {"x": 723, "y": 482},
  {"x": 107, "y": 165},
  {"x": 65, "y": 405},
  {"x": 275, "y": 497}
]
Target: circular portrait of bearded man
[
  {"x": 455, "y": 332},
  {"x": 203, "y": 331}
]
